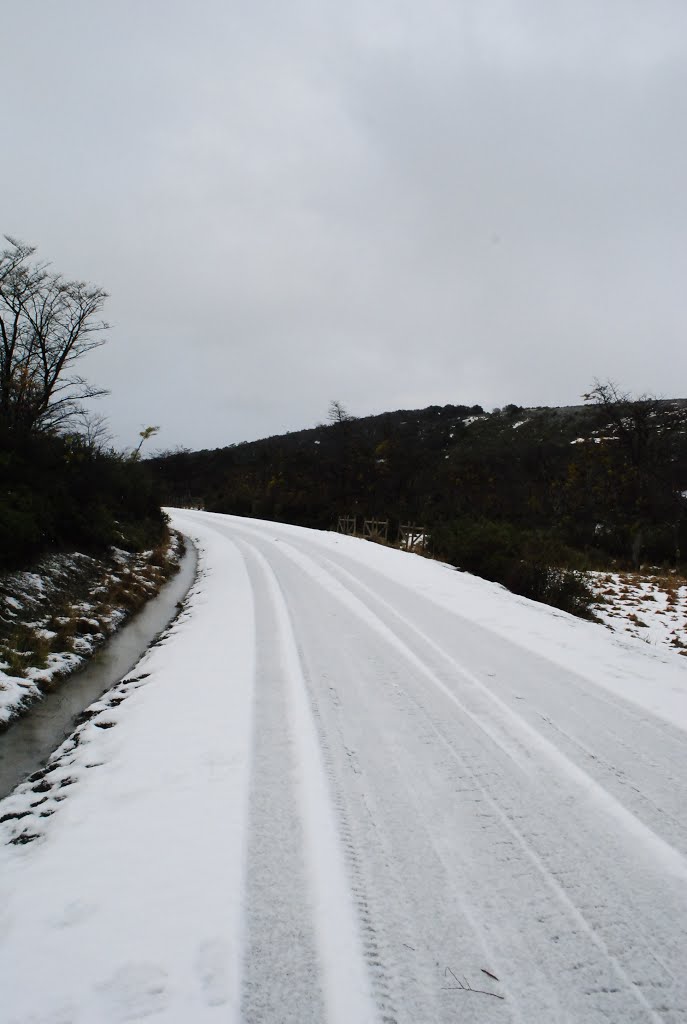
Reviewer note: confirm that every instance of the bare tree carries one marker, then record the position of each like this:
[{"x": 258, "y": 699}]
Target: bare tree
[
  {"x": 47, "y": 324},
  {"x": 93, "y": 430},
  {"x": 635, "y": 422},
  {"x": 337, "y": 413}
]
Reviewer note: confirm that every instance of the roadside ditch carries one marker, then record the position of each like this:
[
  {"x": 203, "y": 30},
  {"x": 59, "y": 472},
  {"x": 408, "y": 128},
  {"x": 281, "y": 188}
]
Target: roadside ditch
[{"x": 45, "y": 721}]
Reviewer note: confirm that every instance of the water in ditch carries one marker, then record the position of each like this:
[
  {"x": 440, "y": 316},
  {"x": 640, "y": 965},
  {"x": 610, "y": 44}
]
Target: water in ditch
[{"x": 28, "y": 742}]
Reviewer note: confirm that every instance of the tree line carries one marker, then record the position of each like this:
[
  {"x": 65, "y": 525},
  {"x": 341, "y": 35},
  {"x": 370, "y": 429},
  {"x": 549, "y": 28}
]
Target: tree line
[{"x": 502, "y": 493}]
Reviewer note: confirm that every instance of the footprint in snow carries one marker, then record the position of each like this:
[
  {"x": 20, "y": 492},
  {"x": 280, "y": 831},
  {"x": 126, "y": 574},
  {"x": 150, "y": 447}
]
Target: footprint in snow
[
  {"x": 212, "y": 966},
  {"x": 135, "y": 991},
  {"x": 73, "y": 913}
]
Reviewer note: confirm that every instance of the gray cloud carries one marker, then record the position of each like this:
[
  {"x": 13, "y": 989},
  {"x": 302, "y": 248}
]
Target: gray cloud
[{"x": 394, "y": 204}]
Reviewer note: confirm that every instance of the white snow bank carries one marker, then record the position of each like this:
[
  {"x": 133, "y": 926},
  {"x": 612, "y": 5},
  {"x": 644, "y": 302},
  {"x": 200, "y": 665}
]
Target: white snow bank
[{"x": 126, "y": 905}]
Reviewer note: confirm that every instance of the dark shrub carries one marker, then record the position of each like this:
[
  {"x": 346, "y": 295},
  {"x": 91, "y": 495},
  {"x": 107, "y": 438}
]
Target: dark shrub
[
  {"x": 56, "y": 492},
  {"x": 524, "y": 561},
  {"x": 566, "y": 589}
]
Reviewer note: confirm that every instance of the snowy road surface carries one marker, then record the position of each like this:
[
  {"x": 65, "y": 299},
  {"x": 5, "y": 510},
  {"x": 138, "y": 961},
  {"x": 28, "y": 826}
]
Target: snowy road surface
[{"x": 352, "y": 786}]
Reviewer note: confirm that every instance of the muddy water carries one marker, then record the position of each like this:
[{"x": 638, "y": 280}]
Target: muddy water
[{"x": 28, "y": 742}]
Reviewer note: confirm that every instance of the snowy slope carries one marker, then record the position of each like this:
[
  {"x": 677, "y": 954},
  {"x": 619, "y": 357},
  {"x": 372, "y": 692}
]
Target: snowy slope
[{"x": 354, "y": 785}]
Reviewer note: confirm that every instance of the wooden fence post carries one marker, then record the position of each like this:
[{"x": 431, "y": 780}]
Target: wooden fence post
[
  {"x": 412, "y": 537},
  {"x": 346, "y": 525},
  {"x": 378, "y": 528}
]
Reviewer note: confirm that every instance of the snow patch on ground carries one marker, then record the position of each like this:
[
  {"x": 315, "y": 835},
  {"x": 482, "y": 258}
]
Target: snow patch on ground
[
  {"x": 15, "y": 693},
  {"x": 649, "y": 608}
]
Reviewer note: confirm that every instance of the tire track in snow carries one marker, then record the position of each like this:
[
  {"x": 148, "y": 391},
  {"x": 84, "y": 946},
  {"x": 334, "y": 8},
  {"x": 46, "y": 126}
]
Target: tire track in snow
[
  {"x": 467, "y": 918},
  {"x": 593, "y": 920},
  {"x": 280, "y": 972},
  {"x": 346, "y": 989},
  {"x": 671, "y": 859},
  {"x": 637, "y": 758},
  {"x": 576, "y": 917},
  {"x": 386, "y": 974},
  {"x": 402, "y": 957},
  {"x": 376, "y": 958}
]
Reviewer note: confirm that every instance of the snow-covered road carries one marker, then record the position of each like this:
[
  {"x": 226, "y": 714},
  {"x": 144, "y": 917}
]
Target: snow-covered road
[{"x": 356, "y": 786}]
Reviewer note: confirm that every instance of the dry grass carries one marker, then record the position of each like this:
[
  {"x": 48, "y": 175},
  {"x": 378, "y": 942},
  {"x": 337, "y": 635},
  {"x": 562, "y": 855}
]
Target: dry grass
[
  {"x": 652, "y": 605},
  {"x": 24, "y": 648},
  {"x": 83, "y": 600}
]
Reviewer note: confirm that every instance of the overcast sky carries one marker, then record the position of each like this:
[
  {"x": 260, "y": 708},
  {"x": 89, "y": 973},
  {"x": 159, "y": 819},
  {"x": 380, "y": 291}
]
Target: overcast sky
[{"x": 394, "y": 204}]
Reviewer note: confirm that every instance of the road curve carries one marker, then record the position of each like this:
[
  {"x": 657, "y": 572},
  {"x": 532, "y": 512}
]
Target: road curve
[{"x": 443, "y": 825}]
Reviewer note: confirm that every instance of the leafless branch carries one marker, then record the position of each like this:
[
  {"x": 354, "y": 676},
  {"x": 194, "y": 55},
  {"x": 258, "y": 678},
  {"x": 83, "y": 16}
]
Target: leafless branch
[
  {"x": 465, "y": 986},
  {"x": 47, "y": 323}
]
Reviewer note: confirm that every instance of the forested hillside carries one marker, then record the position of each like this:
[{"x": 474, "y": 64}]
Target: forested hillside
[{"x": 500, "y": 493}]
